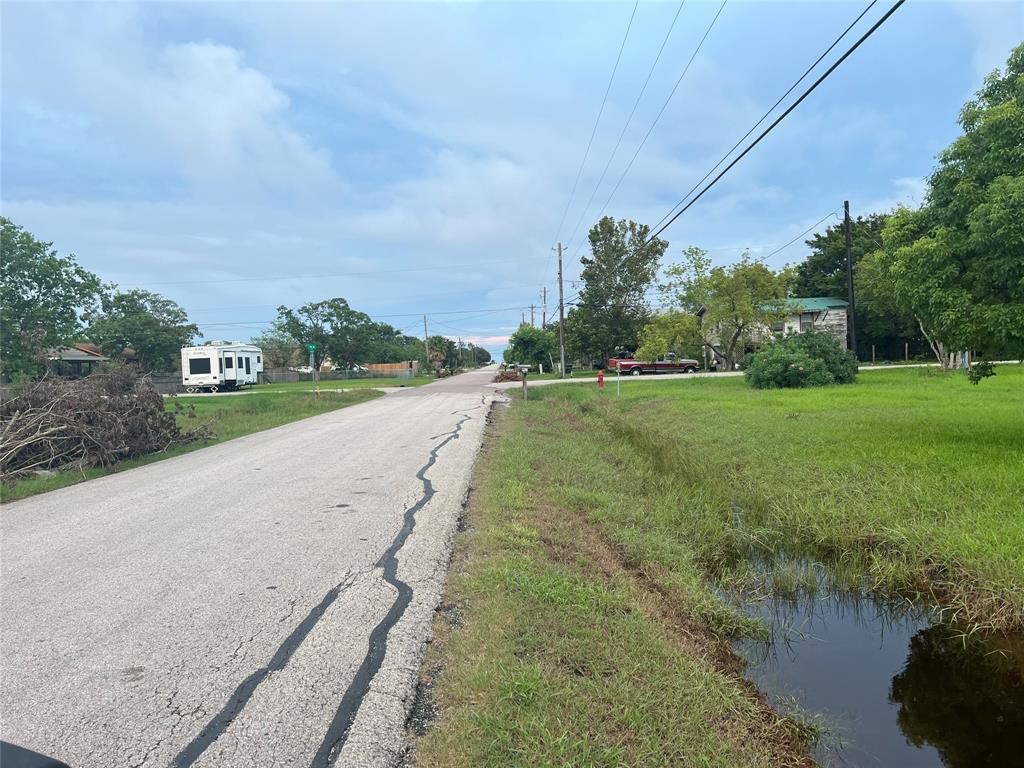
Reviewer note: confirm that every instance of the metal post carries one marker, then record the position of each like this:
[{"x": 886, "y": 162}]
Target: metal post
[
  {"x": 872, "y": 354},
  {"x": 544, "y": 308},
  {"x": 524, "y": 386},
  {"x": 851, "y": 309},
  {"x": 561, "y": 315},
  {"x": 906, "y": 351}
]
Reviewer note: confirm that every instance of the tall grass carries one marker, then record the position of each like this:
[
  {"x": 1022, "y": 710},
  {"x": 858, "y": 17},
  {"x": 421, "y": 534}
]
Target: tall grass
[{"x": 918, "y": 477}]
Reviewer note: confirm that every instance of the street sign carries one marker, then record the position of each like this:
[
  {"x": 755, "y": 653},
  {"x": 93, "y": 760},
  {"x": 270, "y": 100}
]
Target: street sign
[{"x": 311, "y": 347}]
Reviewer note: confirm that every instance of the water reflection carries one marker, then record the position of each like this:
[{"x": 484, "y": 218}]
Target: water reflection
[
  {"x": 891, "y": 690},
  {"x": 967, "y": 705}
]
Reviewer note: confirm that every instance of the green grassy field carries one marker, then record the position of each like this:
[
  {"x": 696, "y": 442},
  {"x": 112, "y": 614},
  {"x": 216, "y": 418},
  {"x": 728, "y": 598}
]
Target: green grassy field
[
  {"x": 229, "y": 416},
  {"x": 606, "y": 528}
]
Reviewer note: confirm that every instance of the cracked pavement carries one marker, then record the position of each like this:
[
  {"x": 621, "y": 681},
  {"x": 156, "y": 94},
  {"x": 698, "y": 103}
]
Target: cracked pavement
[{"x": 214, "y": 609}]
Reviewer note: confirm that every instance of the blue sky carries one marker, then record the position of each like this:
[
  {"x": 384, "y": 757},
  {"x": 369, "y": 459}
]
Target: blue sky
[{"x": 190, "y": 148}]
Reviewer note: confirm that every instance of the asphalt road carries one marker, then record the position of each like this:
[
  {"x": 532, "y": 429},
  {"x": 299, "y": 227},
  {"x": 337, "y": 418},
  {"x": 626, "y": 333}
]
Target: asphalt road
[{"x": 262, "y": 602}]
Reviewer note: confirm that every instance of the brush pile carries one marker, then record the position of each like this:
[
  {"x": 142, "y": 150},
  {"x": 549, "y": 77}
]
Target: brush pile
[
  {"x": 96, "y": 421},
  {"x": 507, "y": 375}
]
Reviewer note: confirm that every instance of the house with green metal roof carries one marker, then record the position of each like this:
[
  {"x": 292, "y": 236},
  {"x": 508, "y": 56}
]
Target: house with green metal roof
[{"x": 819, "y": 313}]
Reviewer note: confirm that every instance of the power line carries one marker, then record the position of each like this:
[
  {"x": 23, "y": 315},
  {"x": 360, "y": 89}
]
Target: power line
[
  {"x": 625, "y": 127},
  {"x": 597, "y": 122},
  {"x": 781, "y": 117},
  {"x": 491, "y": 310},
  {"x": 657, "y": 117},
  {"x": 802, "y": 234},
  {"x": 440, "y": 267},
  {"x": 771, "y": 109}
]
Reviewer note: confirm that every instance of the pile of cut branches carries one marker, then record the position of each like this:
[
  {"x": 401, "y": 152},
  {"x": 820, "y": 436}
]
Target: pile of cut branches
[
  {"x": 96, "y": 421},
  {"x": 507, "y": 375}
]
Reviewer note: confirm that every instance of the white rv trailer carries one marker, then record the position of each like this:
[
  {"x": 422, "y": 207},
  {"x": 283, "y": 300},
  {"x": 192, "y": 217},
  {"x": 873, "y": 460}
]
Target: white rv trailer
[{"x": 220, "y": 365}]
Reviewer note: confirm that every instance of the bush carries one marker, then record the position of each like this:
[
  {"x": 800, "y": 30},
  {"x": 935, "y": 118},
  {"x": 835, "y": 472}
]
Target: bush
[
  {"x": 812, "y": 359},
  {"x": 99, "y": 420}
]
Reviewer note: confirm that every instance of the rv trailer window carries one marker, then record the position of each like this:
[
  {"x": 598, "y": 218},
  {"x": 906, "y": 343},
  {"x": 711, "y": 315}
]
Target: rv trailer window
[
  {"x": 198, "y": 365},
  {"x": 247, "y": 365},
  {"x": 257, "y": 358},
  {"x": 220, "y": 364},
  {"x": 229, "y": 362}
]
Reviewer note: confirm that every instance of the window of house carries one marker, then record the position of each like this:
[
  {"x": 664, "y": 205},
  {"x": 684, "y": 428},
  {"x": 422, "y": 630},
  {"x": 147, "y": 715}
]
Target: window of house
[
  {"x": 198, "y": 365},
  {"x": 779, "y": 327},
  {"x": 806, "y": 321}
]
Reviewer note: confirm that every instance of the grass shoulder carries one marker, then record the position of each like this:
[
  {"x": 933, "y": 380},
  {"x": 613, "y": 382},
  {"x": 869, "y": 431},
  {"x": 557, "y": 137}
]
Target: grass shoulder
[
  {"x": 565, "y": 652},
  {"x": 230, "y": 416}
]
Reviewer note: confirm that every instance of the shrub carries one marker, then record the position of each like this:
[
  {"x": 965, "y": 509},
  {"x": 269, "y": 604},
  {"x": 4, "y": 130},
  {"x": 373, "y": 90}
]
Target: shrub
[{"x": 812, "y": 359}]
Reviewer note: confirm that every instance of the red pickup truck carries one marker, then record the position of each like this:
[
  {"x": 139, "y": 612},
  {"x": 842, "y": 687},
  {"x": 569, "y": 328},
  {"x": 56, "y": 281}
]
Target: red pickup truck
[{"x": 628, "y": 364}]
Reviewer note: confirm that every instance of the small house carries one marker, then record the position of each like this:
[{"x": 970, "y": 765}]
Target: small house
[
  {"x": 818, "y": 313},
  {"x": 74, "y": 362}
]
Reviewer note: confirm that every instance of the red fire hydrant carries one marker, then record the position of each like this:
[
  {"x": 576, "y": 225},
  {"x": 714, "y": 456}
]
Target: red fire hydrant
[{"x": 600, "y": 379}]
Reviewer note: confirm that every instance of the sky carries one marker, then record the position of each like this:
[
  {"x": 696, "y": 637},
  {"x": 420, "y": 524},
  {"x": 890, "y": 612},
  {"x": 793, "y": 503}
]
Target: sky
[{"x": 418, "y": 158}]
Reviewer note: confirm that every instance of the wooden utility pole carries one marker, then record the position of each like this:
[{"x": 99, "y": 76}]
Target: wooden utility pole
[
  {"x": 851, "y": 323},
  {"x": 426, "y": 340},
  {"x": 544, "y": 308},
  {"x": 533, "y": 323},
  {"x": 561, "y": 316}
]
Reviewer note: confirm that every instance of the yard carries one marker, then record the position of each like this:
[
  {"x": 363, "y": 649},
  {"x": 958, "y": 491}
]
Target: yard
[
  {"x": 229, "y": 416},
  {"x": 604, "y": 530}
]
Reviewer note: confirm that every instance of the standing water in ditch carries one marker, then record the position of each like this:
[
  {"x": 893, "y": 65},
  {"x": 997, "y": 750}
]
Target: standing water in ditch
[{"x": 886, "y": 686}]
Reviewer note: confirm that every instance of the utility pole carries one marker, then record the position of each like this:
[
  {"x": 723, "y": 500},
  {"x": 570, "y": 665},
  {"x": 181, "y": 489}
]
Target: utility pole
[
  {"x": 544, "y": 310},
  {"x": 460, "y": 351},
  {"x": 561, "y": 316},
  {"x": 533, "y": 322},
  {"x": 851, "y": 322},
  {"x": 426, "y": 342}
]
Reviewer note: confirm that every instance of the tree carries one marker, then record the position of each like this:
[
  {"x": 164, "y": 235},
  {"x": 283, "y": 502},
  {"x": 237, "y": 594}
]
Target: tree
[
  {"x": 613, "y": 306},
  {"x": 42, "y": 299},
  {"x": 145, "y": 328},
  {"x": 340, "y": 333},
  {"x": 444, "y": 354},
  {"x": 479, "y": 355},
  {"x": 279, "y": 348},
  {"x": 723, "y": 308},
  {"x": 532, "y": 346},
  {"x": 823, "y": 272},
  {"x": 880, "y": 322},
  {"x": 956, "y": 263}
]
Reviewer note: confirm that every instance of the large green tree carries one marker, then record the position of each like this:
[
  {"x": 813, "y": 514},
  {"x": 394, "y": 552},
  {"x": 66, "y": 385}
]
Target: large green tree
[
  {"x": 145, "y": 328},
  {"x": 957, "y": 264},
  {"x": 43, "y": 297},
  {"x": 279, "y": 348},
  {"x": 340, "y": 333},
  {"x": 613, "y": 307},
  {"x": 880, "y": 322},
  {"x": 723, "y": 308},
  {"x": 532, "y": 346}
]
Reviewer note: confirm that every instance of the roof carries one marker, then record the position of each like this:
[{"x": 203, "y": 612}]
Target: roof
[
  {"x": 816, "y": 303},
  {"x": 77, "y": 353}
]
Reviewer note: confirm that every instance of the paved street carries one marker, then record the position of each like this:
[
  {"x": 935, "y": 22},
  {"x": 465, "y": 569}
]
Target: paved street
[{"x": 262, "y": 602}]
